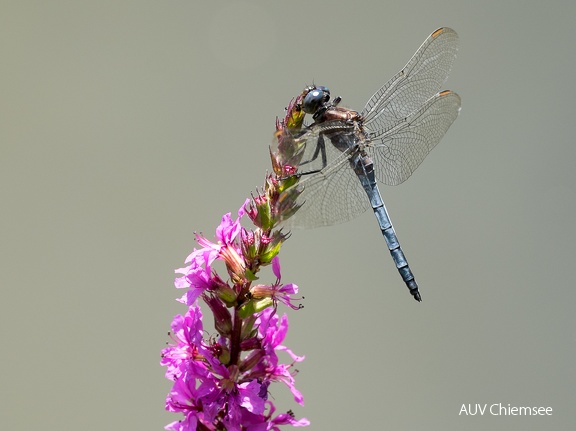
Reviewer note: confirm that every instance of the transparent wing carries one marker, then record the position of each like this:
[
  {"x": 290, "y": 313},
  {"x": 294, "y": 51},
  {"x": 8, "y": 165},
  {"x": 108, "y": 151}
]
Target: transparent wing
[
  {"x": 398, "y": 151},
  {"x": 333, "y": 194},
  {"x": 404, "y": 120},
  {"x": 420, "y": 79}
]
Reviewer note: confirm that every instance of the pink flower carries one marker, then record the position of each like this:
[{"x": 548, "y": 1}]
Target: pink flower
[
  {"x": 285, "y": 419},
  {"x": 186, "y": 399},
  {"x": 277, "y": 292},
  {"x": 221, "y": 382},
  {"x": 184, "y": 354},
  {"x": 273, "y": 330},
  {"x": 197, "y": 276}
]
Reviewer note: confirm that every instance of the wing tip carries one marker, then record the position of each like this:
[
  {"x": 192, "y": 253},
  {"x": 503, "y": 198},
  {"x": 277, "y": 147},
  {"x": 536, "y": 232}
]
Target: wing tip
[{"x": 440, "y": 31}]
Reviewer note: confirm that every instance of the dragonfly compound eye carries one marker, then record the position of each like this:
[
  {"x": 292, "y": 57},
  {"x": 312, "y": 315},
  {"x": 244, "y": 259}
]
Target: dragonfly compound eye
[{"x": 315, "y": 99}]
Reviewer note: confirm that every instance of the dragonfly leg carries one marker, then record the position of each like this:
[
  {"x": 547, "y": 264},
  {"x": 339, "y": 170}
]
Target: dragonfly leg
[{"x": 320, "y": 149}]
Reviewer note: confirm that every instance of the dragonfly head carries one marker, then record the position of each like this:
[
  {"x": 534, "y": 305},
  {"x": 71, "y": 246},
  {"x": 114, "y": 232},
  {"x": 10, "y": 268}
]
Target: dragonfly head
[{"x": 314, "y": 99}]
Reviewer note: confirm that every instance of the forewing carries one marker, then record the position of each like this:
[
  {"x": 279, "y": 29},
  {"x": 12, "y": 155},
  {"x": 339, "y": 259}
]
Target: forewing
[
  {"x": 397, "y": 152},
  {"x": 420, "y": 79}
]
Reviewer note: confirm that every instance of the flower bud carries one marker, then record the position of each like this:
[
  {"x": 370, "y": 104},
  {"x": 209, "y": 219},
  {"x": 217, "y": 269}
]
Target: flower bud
[
  {"x": 254, "y": 306},
  {"x": 260, "y": 212},
  {"x": 234, "y": 263},
  {"x": 222, "y": 317}
]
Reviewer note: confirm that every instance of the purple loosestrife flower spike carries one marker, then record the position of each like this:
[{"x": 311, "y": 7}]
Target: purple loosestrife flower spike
[{"x": 222, "y": 381}]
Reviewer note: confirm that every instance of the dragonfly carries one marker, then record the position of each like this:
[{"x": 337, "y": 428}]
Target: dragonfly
[{"x": 383, "y": 143}]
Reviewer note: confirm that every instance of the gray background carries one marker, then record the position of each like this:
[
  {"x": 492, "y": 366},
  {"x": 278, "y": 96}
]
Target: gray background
[{"x": 127, "y": 125}]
